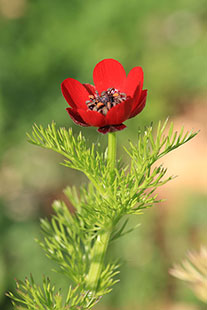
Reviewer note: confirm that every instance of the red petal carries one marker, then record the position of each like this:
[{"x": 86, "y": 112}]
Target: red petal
[
  {"x": 90, "y": 88},
  {"x": 111, "y": 128},
  {"x": 75, "y": 93},
  {"x": 119, "y": 113},
  {"x": 92, "y": 118},
  {"x": 140, "y": 104},
  {"x": 134, "y": 78},
  {"x": 109, "y": 73},
  {"x": 76, "y": 117}
]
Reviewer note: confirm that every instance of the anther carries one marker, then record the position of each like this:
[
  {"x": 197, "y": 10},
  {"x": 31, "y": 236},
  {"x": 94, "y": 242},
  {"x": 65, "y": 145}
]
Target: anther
[
  {"x": 109, "y": 105},
  {"x": 100, "y": 105},
  {"x": 104, "y": 110},
  {"x": 107, "y": 100}
]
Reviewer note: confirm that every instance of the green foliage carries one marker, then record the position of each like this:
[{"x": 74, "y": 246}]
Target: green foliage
[
  {"x": 78, "y": 241},
  {"x": 69, "y": 240},
  {"x": 113, "y": 193},
  {"x": 66, "y": 241},
  {"x": 78, "y": 155},
  {"x": 31, "y": 296},
  {"x": 149, "y": 149},
  {"x": 120, "y": 191}
]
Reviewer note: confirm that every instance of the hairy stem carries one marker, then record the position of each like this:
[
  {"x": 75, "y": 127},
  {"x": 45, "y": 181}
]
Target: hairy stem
[{"x": 102, "y": 241}]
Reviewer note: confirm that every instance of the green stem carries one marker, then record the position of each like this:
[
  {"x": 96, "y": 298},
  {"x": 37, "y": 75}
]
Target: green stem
[
  {"x": 98, "y": 254},
  {"x": 112, "y": 149},
  {"x": 101, "y": 244}
]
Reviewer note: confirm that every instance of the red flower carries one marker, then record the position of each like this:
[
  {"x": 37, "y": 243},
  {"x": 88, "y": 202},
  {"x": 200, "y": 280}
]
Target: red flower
[{"x": 114, "y": 98}]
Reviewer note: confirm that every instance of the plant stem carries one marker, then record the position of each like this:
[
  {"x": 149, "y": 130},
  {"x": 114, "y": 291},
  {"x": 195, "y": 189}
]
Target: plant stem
[
  {"x": 98, "y": 254},
  {"x": 112, "y": 149},
  {"x": 101, "y": 244}
]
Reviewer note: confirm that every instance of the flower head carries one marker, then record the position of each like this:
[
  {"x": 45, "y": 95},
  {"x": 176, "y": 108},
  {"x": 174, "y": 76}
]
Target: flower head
[
  {"x": 114, "y": 98},
  {"x": 194, "y": 271}
]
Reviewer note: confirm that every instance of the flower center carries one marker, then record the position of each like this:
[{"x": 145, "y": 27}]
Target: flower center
[{"x": 107, "y": 100}]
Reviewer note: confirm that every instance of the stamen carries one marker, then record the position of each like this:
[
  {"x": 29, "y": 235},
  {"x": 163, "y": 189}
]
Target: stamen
[{"x": 107, "y": 100}]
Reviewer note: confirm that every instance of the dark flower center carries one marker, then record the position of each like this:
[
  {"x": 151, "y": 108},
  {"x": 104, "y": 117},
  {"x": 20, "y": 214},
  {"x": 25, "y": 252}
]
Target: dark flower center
[{"x": 107, "y": 100}]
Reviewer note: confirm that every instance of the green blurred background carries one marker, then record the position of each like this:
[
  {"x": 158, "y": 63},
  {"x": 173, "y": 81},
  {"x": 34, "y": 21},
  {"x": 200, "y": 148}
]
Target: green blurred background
[{"x": 44, "y": 42}]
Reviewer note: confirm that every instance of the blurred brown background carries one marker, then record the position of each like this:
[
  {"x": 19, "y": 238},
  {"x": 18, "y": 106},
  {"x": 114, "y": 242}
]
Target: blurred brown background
[{"x": 44, "y": 42}]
